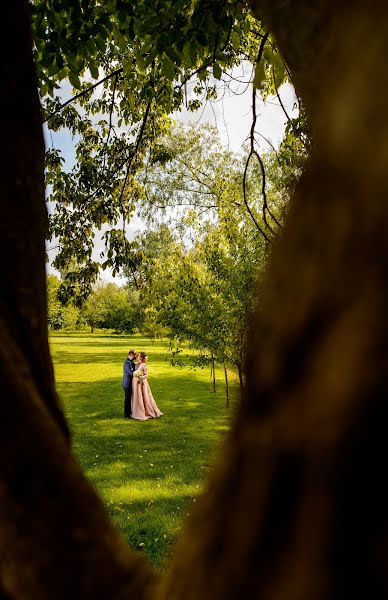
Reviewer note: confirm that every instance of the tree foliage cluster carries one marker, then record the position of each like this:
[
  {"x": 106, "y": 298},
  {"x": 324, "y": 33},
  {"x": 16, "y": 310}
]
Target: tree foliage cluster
[
  {"x": 107, "y": 307},
  {"x": 199, "y": 267},
  {"x": 194, "y": 274},
  {"x": 205, "y": 294},
  {"x": 129, "y": 65}
]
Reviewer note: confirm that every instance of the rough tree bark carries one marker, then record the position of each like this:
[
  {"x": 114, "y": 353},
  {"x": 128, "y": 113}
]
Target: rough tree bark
[
  {"x": 297, "y": 507},
  {"x": 56, "y": 539}
]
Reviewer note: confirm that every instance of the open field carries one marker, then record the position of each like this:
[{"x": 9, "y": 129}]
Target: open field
[{"x": 150, "y": 473}]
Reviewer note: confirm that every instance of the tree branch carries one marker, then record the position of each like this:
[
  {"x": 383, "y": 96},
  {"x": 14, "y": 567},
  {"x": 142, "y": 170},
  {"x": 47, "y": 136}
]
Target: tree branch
[
  {"x": 83, "y": 93},
  {"x": 110, "y": 119},
  {"x": 138, "y": 142},
  {"x": 246, "y": 200}
]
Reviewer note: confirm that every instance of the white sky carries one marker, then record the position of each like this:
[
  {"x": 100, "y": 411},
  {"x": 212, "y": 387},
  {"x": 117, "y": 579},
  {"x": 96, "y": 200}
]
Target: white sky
[{"x": 233, "y": 118}]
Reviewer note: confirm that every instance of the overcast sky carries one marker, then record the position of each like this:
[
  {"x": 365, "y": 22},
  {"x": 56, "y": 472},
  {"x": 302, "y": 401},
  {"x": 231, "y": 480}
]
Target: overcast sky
[{"x": 232, "y": 115}]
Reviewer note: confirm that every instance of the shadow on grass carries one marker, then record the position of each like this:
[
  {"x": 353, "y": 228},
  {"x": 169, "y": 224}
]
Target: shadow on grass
[
  {"x": 148, "y": 473},
  {"x": 181, "y": 391},
  {"x": 65, "y": 357},
  {"x": 161, "y": 352},
  {"x": 126, "y": 342},
  {"x": 152, "y": 527},
  {"x": 62, "y": 354},
  {"x": 108, "y": 342},
  {"x": 176, "y": 448}
]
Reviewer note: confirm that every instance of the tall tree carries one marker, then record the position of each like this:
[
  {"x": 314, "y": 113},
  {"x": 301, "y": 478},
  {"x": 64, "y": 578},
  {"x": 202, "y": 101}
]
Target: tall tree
[
  {"x": 111, "y": 307},
  {"x": 57, "y": 540},
  {"x": 129, "y": 65},
  {"x": 199, "y": 176},
  {"x": 205, "y": 293}
]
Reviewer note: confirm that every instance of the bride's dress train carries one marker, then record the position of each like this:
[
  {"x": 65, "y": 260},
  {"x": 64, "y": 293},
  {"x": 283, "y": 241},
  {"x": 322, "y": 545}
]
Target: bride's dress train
[{"x": 143, "y": 404}]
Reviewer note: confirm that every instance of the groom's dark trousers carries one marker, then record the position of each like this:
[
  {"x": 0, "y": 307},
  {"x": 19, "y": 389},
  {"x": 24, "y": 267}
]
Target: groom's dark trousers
[
  {"x": 128, "y": 369},
  {"x": 127, "y": 400}
]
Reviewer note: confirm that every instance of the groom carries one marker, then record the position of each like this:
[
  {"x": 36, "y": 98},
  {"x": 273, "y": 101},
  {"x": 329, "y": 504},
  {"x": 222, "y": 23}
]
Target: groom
[{"x": 128, "y": 369}]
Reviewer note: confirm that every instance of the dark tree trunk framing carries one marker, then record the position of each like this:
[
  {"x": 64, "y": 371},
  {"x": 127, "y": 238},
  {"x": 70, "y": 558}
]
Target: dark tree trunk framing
[
  {"x": 302, "y": 479},
  {"x": 297, "y": 507},
  {"x": 56, "y": 538}
]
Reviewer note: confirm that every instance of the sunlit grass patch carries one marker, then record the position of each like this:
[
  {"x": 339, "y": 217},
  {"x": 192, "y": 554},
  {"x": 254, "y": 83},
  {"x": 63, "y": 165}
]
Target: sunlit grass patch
[{"x": 148, "y": 474}]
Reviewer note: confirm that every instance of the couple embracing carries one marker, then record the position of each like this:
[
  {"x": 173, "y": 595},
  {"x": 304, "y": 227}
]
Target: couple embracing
[{"x": 139, "y": 402}]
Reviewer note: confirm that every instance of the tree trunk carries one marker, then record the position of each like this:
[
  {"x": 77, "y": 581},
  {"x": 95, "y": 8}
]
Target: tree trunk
[
  {"x": 226, "y": 385},
  {"x": 297, "y": 507},
  {"x": 213, "y": 373},
  {"x": 240, "y": 377},
  {"x": 56, "y": 538}
]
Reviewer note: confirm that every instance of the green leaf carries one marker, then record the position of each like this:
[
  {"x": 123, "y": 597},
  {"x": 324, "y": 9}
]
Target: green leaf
[
  {"x": 74, "y": 80},
  {"x": 100, "y": 43},
  {"x": 131, "y": 100},
  {"x": 268, "y": 55},
  {"x": 279, "y": 75},
  {"x": 93, "y": 70},
  {"x": 168, "y": 68},
  {"x": 235, "y": 39},
  {"x": 122, "y": 17},
  {"x": 259, "y": 78},
  {"x": 279, "y": 70},
  {"x": 53, "y": 69},
  {"x": 139, "y": 61},
  {"x": 187, "y": 54},
  {"x": 217, "y": 72},
  {"x": 203, "y": 75}
]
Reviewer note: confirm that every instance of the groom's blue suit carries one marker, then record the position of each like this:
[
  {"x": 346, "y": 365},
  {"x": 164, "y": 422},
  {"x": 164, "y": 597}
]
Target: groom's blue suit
[{"x": 128, "y": 369}]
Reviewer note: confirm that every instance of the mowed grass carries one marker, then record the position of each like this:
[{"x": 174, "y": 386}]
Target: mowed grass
[{"x": 148, "y": 473}]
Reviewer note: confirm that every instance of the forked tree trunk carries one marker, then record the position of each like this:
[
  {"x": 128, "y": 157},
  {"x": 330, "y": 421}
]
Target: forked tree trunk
[{"x": 297, "y": 508}]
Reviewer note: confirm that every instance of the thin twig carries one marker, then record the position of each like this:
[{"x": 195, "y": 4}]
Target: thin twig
[
  {"x": 286, "y": 113},
  {"x": 181, "y": 189},
  {"x": 282, "y": 105},
  {"x": 252, "y": 153},
  {"x": 110, "y": 120},
  {"x": 133, "y": 154},
  {"x": 269, "y": 143},
  {"x": 246, "y": 200},
  {"x": 264, "y": 194},
  {"x": 83, "y": 93}
]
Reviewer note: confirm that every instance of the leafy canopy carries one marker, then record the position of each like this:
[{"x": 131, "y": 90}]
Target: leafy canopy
[{"x": 129, "y": 65}]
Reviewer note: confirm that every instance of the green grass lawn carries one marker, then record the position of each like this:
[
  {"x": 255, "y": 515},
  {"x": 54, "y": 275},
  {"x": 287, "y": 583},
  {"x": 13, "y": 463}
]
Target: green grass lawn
[{"x": 148, "y": 473}]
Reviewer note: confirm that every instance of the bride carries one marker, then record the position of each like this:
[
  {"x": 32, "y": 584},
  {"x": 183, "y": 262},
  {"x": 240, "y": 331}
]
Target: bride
[{"x": 143, "y": 404}]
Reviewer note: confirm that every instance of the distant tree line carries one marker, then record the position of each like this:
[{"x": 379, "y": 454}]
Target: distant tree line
[{"x": 109, "y": 306}]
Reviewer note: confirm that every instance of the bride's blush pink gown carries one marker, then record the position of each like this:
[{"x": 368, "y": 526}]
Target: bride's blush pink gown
[{"x": 143, "y": 405}]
